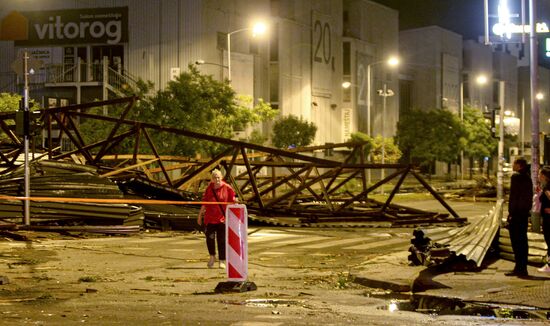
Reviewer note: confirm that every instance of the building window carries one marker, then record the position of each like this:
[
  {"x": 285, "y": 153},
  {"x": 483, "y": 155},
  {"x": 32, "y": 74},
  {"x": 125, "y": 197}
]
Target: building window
[
  {"x": 347, "y": 58},
  {"x": 274, "y": 44},
  {"x": 222, "y": 41},
  {"x": 275, "y": 7},
  {"x": 274, "y": 83},
  {"x": 465, "y": 88}
]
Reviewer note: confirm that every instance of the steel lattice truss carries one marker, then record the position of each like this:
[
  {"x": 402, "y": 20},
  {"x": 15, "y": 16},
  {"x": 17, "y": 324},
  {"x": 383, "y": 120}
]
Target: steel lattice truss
[{"x": 272, "y": 182}]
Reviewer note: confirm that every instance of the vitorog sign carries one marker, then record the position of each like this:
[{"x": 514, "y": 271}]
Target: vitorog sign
[{"x": 72, "y": 26}]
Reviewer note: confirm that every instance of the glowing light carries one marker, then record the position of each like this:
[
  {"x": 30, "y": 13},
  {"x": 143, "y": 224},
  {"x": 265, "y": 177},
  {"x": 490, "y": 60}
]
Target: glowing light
[
  {"x": 393, "y": 61},
  {"x": 393, "y": 307},
  {"x": 481, "y": 79},
  {"x": 259, "y": 29},
  {"x": 504, "y": 18}
]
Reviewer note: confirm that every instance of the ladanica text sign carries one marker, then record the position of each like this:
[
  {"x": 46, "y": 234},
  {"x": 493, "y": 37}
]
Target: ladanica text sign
[{"x": 74, "y": 26}]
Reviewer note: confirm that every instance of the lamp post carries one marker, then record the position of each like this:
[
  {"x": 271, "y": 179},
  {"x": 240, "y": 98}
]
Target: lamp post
[
  {"x": 258, "y": 29},
  {"x": 500, "y": 165},
  {"x": 480, "y": 80},
  {"x": 392, "y": 62},
  {"x": 384, "y": 92}
]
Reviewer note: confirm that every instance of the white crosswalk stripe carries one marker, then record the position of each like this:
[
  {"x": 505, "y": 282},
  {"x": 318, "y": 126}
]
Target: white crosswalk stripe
[
  {"x": 334, "y": 243},
  {"x": 261, "y": 241},
  {"x": 377, "y": 244}
]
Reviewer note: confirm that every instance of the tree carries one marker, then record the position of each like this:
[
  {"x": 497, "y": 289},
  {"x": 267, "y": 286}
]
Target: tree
[
  {"x": 392, "y": 153},
  {"x": 479, "y": 141},
  {"x": 373, "y": 146},
  {"x": 291, "y": 131},
  {"x": 10, "y": 103},
  {"x": 198, "y": 103},
  {"x": 430, "y": 136}
]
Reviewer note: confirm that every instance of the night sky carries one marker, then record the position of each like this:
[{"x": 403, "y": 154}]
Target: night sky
[{"x": 464, "y": 17}]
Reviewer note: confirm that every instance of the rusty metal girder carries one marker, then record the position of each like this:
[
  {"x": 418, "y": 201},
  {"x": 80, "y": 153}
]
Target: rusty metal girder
[{"x": 270, "y": 181}]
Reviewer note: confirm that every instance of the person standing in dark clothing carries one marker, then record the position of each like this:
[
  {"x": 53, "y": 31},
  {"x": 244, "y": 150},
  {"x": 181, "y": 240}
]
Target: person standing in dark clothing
[
  {"x": 519, "y": 207},
  {"x": 544, "y": 179}
]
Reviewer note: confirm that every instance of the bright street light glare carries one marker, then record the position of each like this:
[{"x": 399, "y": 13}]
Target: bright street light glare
[
  {"x": 346, "y": 84},
  {"x": 539, "y": 96},
  {"x": 482, "y": 79},
  {"x": 259, "y": 28},
  {"x": 393, "y": 61}
]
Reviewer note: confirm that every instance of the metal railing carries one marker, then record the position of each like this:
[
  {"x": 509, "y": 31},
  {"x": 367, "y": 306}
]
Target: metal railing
[{"x": 119, "y": 80}]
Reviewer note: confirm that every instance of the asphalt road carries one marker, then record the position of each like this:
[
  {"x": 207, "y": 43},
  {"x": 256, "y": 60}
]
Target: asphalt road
[{"x": 160, "y": 278}]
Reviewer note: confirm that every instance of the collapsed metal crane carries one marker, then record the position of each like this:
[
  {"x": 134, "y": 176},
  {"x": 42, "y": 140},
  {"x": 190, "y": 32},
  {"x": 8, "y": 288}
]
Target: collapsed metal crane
[{"x": 274, "y": 183}]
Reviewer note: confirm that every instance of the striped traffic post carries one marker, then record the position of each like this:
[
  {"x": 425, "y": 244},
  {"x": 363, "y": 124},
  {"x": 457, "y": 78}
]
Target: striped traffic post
[{"x": 236, "y": 251}]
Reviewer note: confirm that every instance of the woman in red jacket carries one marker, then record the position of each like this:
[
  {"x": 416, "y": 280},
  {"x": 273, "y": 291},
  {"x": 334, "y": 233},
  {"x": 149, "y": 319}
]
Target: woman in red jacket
[{"x": 213, "y": 216}]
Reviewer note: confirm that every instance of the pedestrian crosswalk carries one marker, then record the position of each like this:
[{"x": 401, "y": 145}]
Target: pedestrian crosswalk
[
  {"x": 259, "y": 240},
  {"x": 314, "y": 242}
]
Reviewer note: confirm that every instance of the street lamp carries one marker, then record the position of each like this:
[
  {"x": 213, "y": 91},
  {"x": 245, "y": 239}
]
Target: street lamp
[
  {"x": 392, "y": 62},
  {"x": 258, "y": 29},
  {"x": 480, "y": 80},
  {"x": 202, "y": 62},
  {"x": 384, "y": 92}
]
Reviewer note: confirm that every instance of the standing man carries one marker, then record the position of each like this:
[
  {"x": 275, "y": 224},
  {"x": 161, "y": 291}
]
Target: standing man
[
  {"x": 519, "y": 206},
  {"x": 213, "y": 215}
]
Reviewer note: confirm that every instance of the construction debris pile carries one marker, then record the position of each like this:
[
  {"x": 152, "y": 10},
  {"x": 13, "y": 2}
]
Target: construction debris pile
[
  {"x": 308, "y": 186},
  {"x": 68, "y": 182}
]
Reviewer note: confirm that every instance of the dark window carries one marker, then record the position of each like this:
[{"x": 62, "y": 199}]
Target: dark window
[
  {"x": 465, "y": 88},
  {"x": 254, "y": 47},
  {"x": 274, "y": 44},
  {"x": 275, "y": 7},
  {"x": 222, "y": 41},
  {"x": 347, "y": 58}
]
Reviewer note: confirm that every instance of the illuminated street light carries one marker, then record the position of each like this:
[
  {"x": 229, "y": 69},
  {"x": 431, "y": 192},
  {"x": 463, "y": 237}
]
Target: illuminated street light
[
  {"x": 392, "y": 62},
  {"x": 539, "y": 96},
  {"x": 258, "y": 29},
  {"x": 202, "y": 62},
  {"x": 480, "y": 80},
  {"x": 384, "y": 92}
]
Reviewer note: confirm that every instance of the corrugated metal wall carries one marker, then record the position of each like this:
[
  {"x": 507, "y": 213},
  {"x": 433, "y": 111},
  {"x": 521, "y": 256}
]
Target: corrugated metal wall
[{"x": 163, "y": 35}]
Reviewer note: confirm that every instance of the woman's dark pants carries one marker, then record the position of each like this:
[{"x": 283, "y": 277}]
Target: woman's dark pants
[{"x": 216, "y": 233}]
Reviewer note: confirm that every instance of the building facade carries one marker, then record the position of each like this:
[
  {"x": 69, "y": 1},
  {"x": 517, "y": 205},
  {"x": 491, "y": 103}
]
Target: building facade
[
  {"x": 88, "y": 52},
  {"x": 85, "y": 51}
]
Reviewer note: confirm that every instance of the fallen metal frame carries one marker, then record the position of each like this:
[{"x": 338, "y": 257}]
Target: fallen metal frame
[{"x": 294, "y": 181}]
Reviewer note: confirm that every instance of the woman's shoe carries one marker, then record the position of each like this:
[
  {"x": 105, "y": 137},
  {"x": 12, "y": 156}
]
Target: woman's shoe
[
  {"x": 222, "y": 264},
  {"x": 544, "y": 269},
  {"x": 211, "y": 262}
]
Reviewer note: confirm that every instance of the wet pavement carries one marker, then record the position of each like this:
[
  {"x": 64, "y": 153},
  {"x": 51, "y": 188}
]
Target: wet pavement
[{"x": 489, "y": 284}]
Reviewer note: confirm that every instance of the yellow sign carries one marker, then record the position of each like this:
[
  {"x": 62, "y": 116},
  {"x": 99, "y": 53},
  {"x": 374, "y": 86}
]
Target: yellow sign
[{"x": 14, "y": 27}]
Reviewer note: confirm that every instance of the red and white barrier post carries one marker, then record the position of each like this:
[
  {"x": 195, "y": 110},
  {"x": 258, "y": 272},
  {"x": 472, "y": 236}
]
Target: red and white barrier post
[{"x": 236, "y": 250}]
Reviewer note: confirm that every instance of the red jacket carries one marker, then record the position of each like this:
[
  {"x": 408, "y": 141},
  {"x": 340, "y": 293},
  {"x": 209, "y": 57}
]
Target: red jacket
[{"x": 213, "y": 212}]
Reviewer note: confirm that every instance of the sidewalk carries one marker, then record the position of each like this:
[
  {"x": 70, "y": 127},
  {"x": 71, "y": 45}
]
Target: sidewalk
[{"x": 392, "y": 272}]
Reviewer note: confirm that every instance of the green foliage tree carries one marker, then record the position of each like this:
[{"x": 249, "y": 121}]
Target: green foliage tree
[
  {"x": 198, "y": 103},
  {"x": 373, "y": 146},
  {"x": 291, "y": 131},
  {"x": 392, "y": 153},
  {"x": 426, "y": 136},
  {"x": 479, "y": 141},
  {"x": 10, "y": 103},
  {"x": 361, "y": 138}
]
